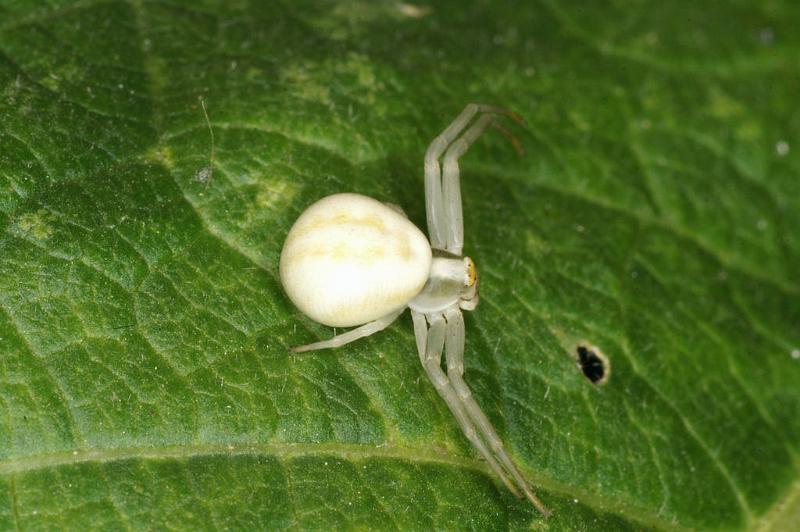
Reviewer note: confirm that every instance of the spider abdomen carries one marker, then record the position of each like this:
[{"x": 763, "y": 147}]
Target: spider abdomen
[{"x": 350, "y": 259}]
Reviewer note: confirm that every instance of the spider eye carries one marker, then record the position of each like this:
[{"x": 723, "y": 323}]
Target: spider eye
[{"x": 472, "y": 272}]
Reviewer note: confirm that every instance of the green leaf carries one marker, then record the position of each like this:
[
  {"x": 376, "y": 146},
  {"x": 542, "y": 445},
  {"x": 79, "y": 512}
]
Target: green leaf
[{"x": 145, "y": 380}]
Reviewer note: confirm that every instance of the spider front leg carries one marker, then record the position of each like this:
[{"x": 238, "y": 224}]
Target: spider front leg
[
  {"x": 430, "y": 343},
  {"x": 434, "y": 208},
  {"x": 443, "y": 196},
  {"x": 454, "y": 348},
  {"x": 451, "y": 184}
]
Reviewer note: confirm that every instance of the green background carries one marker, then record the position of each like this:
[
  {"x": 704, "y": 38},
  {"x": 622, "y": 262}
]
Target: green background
[{"x": 144, "y": 373}]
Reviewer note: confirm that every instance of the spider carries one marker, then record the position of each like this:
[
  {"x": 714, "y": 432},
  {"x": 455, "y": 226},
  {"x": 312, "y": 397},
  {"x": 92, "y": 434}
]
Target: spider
[{"x": 351, "y": 260}]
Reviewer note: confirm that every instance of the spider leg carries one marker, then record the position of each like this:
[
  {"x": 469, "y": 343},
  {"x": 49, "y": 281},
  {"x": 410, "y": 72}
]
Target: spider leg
[
  {"x": 434, "y": 207},
  {"x": 351, "y": 335},
  {"x": 437, "y": 201},
  {"x": 451, "y": 186},
  {"x": 454, "y": 347},
  {"x": 430, "y": 342}
]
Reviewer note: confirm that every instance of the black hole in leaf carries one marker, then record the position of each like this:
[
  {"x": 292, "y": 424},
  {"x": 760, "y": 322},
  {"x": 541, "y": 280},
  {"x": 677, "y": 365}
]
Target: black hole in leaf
[{"x": 593, "y": 364}]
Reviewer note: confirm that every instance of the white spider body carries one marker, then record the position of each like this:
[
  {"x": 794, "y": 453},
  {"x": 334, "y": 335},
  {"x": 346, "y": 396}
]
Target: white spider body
[{"x": 350, "y": 259}]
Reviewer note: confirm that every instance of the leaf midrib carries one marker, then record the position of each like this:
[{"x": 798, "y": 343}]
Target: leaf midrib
[
  {"x": 353, "y": 452},
  {"x": 350, "y": 451}
]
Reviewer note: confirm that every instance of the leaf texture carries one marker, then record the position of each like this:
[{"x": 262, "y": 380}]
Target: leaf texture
[{"x": 145, "y": 380}]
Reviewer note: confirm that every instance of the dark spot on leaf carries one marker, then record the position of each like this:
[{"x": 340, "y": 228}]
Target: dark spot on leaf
[{"x": 593, "y": 364}]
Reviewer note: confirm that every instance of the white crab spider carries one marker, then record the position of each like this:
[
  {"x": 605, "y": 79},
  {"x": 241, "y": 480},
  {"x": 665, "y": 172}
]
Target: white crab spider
[{"x": 352, "y": 260}]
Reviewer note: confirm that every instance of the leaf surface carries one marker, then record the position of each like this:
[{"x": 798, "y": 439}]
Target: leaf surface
[{"x": 655, "y": 216}]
